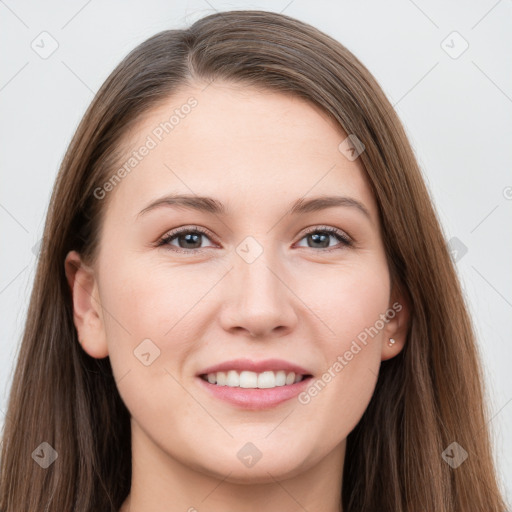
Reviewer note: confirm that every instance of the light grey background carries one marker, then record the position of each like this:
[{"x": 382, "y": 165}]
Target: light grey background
[{"x": 457, "y": 110}]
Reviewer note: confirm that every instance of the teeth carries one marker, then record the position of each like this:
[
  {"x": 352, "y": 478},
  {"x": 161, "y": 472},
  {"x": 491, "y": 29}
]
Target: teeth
[
  {"x": 233, "y": 379},
  {"x": 221, "y": 378},
  {"x": 246, "y": 379},
  {"x": 264, "y": 380}
]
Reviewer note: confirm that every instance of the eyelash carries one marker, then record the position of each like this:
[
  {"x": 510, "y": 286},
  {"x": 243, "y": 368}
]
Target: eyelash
[{"x": 340, "y": 235}]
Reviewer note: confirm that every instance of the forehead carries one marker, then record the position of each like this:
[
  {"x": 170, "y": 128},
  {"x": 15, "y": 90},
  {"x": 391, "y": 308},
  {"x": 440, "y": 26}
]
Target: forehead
[{"x": 238, "y": 144}]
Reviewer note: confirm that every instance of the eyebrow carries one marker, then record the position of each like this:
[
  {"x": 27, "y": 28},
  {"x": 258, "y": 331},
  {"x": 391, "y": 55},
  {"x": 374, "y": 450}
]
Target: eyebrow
[{"x": 213, "y": 206}]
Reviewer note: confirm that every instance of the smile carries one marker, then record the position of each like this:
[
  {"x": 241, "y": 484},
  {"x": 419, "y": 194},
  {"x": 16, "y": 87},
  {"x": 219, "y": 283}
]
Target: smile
[{"x": 253, "y": 380}]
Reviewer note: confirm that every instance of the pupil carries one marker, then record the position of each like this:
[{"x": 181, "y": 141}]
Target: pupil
[
  {"x": 189, "y": 239},
  {"x": 316, "y": 238}
]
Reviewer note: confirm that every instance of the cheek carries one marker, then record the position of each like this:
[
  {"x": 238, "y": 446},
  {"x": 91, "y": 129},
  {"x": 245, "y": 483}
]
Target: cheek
[
  {"x": 351, "y": 345},
  {"x": 348, "y": 300},
  {"x": 146, "y": 325},
  {"x": 150, "y": 300},
  {"x": 155, "y": 314}
]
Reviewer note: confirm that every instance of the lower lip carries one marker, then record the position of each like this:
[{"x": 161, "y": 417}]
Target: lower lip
[{"x": 255, "y": 398}]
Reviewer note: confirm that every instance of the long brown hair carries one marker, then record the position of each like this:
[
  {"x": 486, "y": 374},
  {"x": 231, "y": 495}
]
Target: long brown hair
[{"x": 427, "y": 397}]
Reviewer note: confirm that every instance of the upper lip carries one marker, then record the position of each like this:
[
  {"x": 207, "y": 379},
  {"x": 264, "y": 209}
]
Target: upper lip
[{"x": 256, "y": 366}]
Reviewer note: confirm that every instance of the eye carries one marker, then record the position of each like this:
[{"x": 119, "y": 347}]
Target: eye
[
  {"x": 187, "y": 238},
  {"x": 319, "y": 237}
]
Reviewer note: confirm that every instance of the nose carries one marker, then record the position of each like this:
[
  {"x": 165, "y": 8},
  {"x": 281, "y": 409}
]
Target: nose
[{"x": 261, "y": 302}]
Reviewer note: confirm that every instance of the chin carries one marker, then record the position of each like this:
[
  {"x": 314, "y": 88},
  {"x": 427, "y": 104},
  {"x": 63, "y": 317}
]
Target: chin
[{"x": 277, "y": 465}]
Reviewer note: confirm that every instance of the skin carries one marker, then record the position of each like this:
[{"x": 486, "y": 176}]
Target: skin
[{"x": 257, "y": 152}]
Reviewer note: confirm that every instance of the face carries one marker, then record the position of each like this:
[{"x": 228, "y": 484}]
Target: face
[{"x": 261, "y": 279}]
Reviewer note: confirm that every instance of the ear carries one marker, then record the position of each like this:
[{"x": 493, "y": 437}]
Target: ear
[
  {"x": 87, "y": 310},
  {"x": 397, "y": 326}
]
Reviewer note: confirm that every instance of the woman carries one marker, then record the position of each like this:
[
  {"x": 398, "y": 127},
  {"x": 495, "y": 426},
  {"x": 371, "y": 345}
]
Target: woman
[{"x": 315, "y": 354}]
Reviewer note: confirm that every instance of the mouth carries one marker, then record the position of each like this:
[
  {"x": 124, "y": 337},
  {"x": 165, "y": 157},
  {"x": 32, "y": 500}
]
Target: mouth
[
  {"x": 254, "y": 385},
  {"x": 252, "y": 380},
  {"x": 254, "y": 391}
]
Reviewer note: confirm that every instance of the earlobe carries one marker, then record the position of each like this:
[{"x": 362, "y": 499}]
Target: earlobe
[
  {"x": 87, "y": 311},
  {"x": 395, "y": 332}
]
